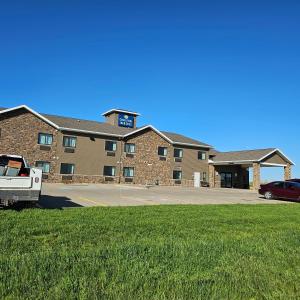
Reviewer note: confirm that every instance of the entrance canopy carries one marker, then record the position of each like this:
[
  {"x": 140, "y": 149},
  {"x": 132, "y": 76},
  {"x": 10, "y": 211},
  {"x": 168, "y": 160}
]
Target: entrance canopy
[{"x": 225, "y": 161}]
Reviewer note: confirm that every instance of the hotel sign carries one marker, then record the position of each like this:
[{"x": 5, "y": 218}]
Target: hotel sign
[{"x": 126, "y": 121}]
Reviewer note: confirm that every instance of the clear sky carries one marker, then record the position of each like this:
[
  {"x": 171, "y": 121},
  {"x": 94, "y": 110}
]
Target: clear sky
[{"x": 224, "y": 72}]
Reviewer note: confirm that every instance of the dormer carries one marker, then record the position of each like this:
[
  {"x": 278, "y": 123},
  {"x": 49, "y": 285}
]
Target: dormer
[{"x": 121, "y": 118}]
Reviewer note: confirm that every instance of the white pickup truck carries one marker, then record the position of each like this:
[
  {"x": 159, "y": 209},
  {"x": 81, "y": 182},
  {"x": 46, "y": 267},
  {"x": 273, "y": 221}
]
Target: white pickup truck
[{"x": 18, "y": 181}]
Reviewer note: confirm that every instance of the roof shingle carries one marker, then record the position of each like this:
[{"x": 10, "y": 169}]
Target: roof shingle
[{"x": 245, "y": 155}]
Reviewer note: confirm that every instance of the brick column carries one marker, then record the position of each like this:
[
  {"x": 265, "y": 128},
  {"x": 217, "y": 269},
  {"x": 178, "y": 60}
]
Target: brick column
[
  {"x": 287, "y": 172},
  {"x": 211, "y": 175},
  {"x": 256, "y": 176}
]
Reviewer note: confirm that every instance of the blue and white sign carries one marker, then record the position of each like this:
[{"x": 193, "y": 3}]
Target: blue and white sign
[{"x": 126, "y": 121}]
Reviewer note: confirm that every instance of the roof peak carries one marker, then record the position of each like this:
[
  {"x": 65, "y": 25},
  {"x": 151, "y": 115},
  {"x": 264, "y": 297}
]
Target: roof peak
[{"x": 113, "y": 110}]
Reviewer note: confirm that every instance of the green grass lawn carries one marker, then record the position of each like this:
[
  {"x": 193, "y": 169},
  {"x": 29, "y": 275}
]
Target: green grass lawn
[{"x": 154, "y": 252}]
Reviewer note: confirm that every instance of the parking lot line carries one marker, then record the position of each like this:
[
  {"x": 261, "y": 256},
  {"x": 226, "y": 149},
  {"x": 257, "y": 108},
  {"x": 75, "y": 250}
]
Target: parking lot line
[{"x": 91, "y": 201}]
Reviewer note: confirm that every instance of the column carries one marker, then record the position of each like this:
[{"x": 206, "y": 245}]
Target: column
[
  {"x": 256, "y": 176},
  {"x": 287, "y": 172},
  {"x": 211, "y": 175}
]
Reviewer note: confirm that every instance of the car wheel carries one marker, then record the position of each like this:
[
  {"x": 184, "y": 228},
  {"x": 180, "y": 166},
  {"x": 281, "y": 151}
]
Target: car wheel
[{"x": 268, "y": 195}]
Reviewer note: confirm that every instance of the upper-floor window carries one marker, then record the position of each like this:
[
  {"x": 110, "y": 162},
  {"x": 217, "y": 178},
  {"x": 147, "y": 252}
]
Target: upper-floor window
[
  {"x": 44, "y": 165},
  {"x": 67, "y": 169},
  {"x": 201, "y": 155},
  {"x": 128, "y": 172},
  {"x": 129, "y": 148},
  {"x": 69, "y": 141},
  {"x": 110, "y": 146},
  {"x": 162, "y": 151},
  {"x": 178, "y": 153},
  {"x": 45, "y": 139},
  {"x": 177, "y": 175},
  {"x": 109, "y": 171}
]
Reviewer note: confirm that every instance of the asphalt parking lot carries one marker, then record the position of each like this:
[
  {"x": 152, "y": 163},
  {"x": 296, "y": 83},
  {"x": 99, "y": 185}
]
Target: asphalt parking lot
[{"x": 86, "y": 195}]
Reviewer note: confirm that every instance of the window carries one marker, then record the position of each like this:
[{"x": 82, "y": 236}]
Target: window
[
  {"x": 177, "y": 175},
  {"x": 44, "y": 165},
  {"x": 178, "y": 153},
  {"x": 45, "y": 139},
  {"x": 129, "y": 148},
  {"x": 201, "y": 155},
  {"x": 128, "y": 172},
  {"x": 69, "y": 141},
  {"x": 279, "y": 184},
  {"x": 109, "y": 171},
  {"x": 110, "y": 146},
  {"x": 162, "y": 151},
  {"x": 204, "y": 176},
  {"x": 67, "y": 168}
]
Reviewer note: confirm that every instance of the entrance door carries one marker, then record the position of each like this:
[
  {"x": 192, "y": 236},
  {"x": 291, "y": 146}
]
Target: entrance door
[
  {"x": 197, "y": 178},
  {"x": 226, "y": 180}
]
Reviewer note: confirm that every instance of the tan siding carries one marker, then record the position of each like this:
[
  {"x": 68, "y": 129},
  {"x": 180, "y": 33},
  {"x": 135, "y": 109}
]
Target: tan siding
[
  {"x": 90, "y": 156},
  {"x": 275, "y": 159}
]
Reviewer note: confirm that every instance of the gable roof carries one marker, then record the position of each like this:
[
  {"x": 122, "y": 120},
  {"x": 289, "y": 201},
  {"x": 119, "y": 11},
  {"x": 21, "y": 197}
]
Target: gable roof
[
  {"x": 184, "y": 140},
  {"x": 100, "y": 128},
  {"x": 121, "y": 111},
  {"x": 257, "y": 155}
]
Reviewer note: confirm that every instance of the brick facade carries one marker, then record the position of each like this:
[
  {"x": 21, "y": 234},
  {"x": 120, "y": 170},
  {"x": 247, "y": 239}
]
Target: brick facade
[
  {"x": 148, "y": 167},
  {"x": 19, "y": 135}
]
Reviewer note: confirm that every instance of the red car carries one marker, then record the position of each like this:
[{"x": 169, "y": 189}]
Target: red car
[{"x": 281, "y": 189}]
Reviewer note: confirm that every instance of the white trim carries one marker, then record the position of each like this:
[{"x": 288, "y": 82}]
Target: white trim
[
  {"x": 280, "y": 152},
  {"x": 164, "y": 136},
  {"x": 233, "y": 161},
  {"x": 273, "y": 165},
  {"x": 89, "y": 132},
  {"x": 121, "y": 111},
  {"x": 193, "y": 145},
  {"x": 151, "y": 127},
  {"x": 32, "y": 111}
]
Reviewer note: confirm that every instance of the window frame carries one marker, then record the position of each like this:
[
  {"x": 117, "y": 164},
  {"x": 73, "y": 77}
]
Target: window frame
[
  {"x": 132, "y": 168},
  {"x": 69, "y": 137},
  {"x": 177, "y": 171},
  {"x": 200, "y": 156},
  {"x": 130, "y": 144},
  {"x": 110, "y": 141},
  {"x": 67, "y": 173},
  {"x": 162, "y": 147},
  {"x": 181, "y": 151},
  {"x": 45, "y": 134},
  {"x": 43, "y": 162},
  {"x": 113, "y": 174}
]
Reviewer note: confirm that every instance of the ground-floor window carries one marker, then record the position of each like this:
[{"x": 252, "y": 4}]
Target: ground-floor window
[
  {"x": 128, "y": 172},
  {"x": 177, "y": 175},
  {"x": 109, "y": 171},
  {"x": 67, "y": 169},
  {"x": 44, "y": 165},
  {"x": 204, "y": 176}
]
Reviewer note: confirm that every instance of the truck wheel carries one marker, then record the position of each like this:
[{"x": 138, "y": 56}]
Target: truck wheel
[{"x": 268, "y": 195}]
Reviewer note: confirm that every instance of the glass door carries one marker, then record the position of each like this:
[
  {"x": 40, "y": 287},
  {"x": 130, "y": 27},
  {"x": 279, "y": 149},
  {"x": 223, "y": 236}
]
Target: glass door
[{"x": 226, "y": 180}]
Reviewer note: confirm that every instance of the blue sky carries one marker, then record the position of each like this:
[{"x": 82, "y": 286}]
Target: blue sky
[{"x": 224, "y": 72}]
